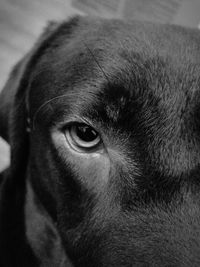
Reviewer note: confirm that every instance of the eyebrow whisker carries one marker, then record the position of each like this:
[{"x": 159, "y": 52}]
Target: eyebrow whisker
[
  {"x": 43, "y": 105},
  {"x": 67, "y": 95},
  {"x": 97, "y": 62}
]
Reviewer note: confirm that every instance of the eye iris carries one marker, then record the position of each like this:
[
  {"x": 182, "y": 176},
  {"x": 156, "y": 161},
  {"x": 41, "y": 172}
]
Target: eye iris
[{"x": 86, "y": 133}]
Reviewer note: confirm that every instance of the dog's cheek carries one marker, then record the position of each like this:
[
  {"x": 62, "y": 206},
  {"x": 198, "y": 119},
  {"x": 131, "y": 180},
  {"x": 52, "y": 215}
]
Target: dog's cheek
[{"x": 92, "y": 171}]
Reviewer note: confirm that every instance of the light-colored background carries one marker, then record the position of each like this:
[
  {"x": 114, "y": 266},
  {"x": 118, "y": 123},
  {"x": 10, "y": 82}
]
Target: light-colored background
[{"x": 21, "y": 22}]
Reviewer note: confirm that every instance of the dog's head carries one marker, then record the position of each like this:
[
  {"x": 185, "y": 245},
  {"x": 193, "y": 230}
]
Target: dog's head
[{"x": 104, "y": 127}]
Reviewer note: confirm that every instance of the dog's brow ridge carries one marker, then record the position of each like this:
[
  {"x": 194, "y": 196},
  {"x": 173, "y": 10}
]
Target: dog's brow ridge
[{"x": 43, "y": 105}]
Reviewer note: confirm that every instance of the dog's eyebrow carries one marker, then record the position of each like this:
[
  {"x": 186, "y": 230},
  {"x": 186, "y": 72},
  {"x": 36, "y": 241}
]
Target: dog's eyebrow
[{"x": 69, "y": 105}]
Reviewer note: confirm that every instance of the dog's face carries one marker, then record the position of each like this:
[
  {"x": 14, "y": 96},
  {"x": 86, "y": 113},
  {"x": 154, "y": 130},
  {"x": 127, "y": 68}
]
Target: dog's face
[{"x": 114, "y": 146}]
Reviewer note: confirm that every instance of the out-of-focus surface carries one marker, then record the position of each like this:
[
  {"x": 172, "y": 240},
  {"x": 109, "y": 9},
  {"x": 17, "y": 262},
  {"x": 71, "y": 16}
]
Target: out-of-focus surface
[
  {"x": 4, "y": 154},
  {"x": 21, "y": 22}
]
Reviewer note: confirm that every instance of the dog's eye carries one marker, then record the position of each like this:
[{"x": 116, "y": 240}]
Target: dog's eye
[{"x": 82, "y": 136}]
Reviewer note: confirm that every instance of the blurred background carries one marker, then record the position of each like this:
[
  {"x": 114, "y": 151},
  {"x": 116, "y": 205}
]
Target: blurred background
[{"x": 21, "y": 22}]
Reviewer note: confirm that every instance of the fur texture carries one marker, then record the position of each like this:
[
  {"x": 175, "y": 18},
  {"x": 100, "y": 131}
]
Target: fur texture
[{"x": 134, "y": 203}]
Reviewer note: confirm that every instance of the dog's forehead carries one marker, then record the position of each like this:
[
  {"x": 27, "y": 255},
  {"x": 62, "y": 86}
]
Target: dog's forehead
[
  {"x": 126, "y": 61},
  {"x": 143, "y": 78},
  {"x": 110, "y": 47}
]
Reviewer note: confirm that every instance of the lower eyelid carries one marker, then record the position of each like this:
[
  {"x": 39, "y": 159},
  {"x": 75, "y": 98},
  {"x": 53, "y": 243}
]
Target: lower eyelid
[
  {"x": 95, "y": 150},
  {"x": 66, "y": 150}
]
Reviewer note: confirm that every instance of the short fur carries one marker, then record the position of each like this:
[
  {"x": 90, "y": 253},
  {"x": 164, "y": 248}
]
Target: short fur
[{"x": 135, "y": 204}]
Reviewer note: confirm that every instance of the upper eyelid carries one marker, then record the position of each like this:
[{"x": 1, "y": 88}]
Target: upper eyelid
[{"x": 77, "y": 119}]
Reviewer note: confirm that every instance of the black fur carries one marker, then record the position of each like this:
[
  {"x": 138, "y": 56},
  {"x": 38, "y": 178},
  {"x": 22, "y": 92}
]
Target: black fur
[{"x": 137, "y": 203}]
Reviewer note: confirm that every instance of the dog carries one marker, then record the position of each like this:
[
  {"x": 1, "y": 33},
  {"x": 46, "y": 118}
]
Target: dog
[{"x": 103, "y": 120}]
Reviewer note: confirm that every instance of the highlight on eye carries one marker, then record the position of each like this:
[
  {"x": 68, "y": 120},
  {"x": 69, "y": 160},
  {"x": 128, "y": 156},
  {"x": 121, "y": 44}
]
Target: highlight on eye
[{"x": 82, "y": 136}]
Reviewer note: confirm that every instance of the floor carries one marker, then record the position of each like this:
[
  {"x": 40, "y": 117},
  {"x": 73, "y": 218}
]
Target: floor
[{"x": 21, "y": 22}]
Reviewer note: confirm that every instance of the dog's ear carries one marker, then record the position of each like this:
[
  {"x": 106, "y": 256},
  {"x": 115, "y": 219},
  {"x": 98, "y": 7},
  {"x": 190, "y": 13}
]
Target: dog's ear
[
  {"x": 13, "y": 104},
  {"x": 14, "y": 91}
]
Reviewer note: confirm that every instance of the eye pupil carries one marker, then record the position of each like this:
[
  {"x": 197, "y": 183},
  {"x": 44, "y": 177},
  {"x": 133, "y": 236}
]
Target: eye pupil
[
  {"x": 86, "y": 133},
  {"x": 82, "y": 137}
]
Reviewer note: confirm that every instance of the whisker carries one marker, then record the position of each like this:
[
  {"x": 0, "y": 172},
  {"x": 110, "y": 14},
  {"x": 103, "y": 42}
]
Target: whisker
[
  {"x": 43, "y": 105},
  {"x": 97, "y": 62},
  {"x": 67, "y": 95}
]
